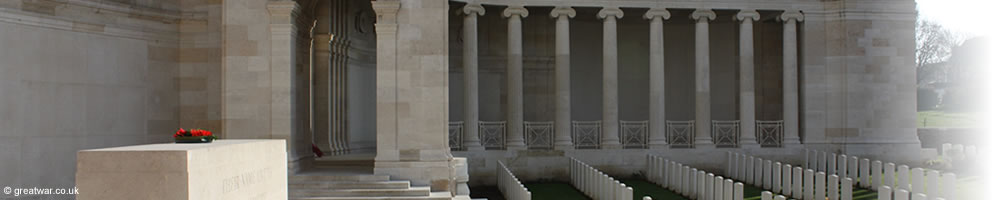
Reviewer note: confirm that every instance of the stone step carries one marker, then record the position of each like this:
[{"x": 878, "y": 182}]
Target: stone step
[
  {"x": 409, "y": 192},
  {"x": 332, "y": 177},
  {"x": 342, "y": 163},
  {"x": 349, "y": 184},
  {"x": 432, "y": 196}
]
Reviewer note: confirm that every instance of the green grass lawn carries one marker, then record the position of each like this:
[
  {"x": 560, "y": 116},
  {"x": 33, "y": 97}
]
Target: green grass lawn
[{"x": 935, "y": 118}]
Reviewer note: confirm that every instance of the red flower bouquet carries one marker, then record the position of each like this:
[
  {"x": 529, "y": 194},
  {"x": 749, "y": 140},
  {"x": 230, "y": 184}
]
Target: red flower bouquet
[{"x": 194, "y": 136}]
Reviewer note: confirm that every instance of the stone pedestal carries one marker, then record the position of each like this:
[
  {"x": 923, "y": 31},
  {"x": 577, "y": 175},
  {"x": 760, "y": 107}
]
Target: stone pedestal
[{"x": 224, "y": 169}]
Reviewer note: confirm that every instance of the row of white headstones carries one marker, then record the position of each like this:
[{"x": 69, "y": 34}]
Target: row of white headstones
[
  {"x": 958, "y": 151},
  {"x": 782, "y": 180},
  {"x": 509, "y": 185},
  {"x": 922, "y": 183},
  {"x": 691, "y": 182},
  {"x": 596, "y": 184}
]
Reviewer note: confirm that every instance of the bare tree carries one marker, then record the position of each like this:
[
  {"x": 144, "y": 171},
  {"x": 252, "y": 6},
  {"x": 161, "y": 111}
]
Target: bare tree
[{"x": 934, "y": 44}]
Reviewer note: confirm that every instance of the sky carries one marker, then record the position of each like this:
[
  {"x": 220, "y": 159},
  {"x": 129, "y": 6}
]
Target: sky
[{"x": 971, "y": 17}]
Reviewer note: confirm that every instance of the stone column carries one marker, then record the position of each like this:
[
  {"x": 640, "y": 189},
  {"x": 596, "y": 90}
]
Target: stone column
[
  {"x": 703, "y": 98},
  {"x": 470, "y": 61},
  {"x": 515, "y": 77},
  {"x": 657, "y": 108},
  {"x": 609, "y": 125},
  {"x": 747, "y": 114},
  {"x": 563, "y": 119},
  {"x": 282, "y": 32},
  {"x": 791, "y": 77}
]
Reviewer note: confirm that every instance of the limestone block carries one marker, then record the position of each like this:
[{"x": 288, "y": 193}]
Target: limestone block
[{"x": 224, "y": 169}]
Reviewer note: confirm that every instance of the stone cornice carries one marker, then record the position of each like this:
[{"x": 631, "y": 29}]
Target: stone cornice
[
  {"x": 167, "y": 35},
  {"x": 518, "y": 10},
  {"x": 473, "y": 8},
  {"x": 791, "y": 16},
  {"x": 703, "y": 13},
  {"x": 563, "y": 10},
  {"x": 657, "y": 12},
  {"x": 672, "y": 4},
  {"x": 610, "y": 11},
  {"x": 747, "y": 14},
  {"x": 282, "y": 8}
]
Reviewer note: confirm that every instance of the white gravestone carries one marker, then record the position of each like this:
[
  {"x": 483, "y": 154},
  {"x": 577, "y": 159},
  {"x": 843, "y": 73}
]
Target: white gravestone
[
  {"x": 224, "y": 169},
  {"x": 865, "y": 171},
  {"x": 776, "y": 177},
  {"x": 797, "y": 183},
  {"x": 877, "y": 176},
  {"x": 820, "y": 186},
  {"x": 766, "y": 196},
  {"x": 832, "y": 186},
  {"x": 903, "y": 177},
  {"x": 884, "y": 193},
  {"x": 890, "y": 175},
  {"x": 786, "y": 180},
  {"x": 933, "y": 187},
  {"x": 737, "y": 191},
  {"x": 901, "y": 194},
  {"x": 917, "y": 183},
  {"x": 842, "y": 166},
  {"x": 846, "y": 189},
  {"x": 767, "y": 175},
  {"x": 831, "y": 164},
  {"x": 807, "y": 179}
]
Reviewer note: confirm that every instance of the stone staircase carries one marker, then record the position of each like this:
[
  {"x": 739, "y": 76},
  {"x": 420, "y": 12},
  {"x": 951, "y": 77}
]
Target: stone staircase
[{"x": 342, "y": 179}]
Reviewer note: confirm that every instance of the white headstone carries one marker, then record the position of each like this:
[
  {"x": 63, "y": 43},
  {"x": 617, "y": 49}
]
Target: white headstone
[
  {"x": 901, "y": 194},
  {"x": 865, "y": 170},
  {"x": 727, "y": 190},
  {"x": 647, "y": 198},
  {"x": 903, "y": 177},
  {"x": 786, "y": 180},
  {"x": 820, "y": 186},
  {"x": 918, "y": 196},
  {"x": 741, "y": 171},
  {"x": 917, "y": 182},
  {"x": 877, "y": 174},
  {"x": 806, "y": 158},
  {"x": 852, "y": 168},
  {"x": 890, "y": 175},
  {"x": 766, "y": 195},
  {"x": 767, "y": 175},
  {"x": 780, "y": 197},
  {"x": 933, "y": 187},
  {"x": 831, "y": 164},
  {"x": 884, "y": 193},
  {"x": 832, "y": 186},
  {"x": 948, "y": 186},
  {"x": 709, "y": 183},
  {"x": 842, "y": 165},
  {"x": 776, "y": 177},
  {"x": 944, "y": 149},
  {"x": 699, "y": 183},
  {"x": 737, "y": 191},
  {"x": 719, "y": 193},
  {"x": 814, "y": 159},
  {"x": 685, "y": 181},
  {"x": 846, "y": 189},
  {"x": 807, "y": 179},
  {"x": 821, "y": 161},
  {"x": 797, "y": 183}
]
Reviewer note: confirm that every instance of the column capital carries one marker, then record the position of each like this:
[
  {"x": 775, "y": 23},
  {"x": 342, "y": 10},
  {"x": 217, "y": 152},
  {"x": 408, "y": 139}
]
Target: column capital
[
  {"x": 791, "y": 16},
  {"x": 386, "y": 11},
  {"x": 518, "y": 10},
  {"x": 474, "y": 9},
  {"x": 747, "y": 14},
  {"x": 703, "y": 13},
  {"x": 282, "y": 7},
  {"x": 610, "y": 11},
  {"x": 657, "y": 12},
  {"x": 563, "y": 10}
]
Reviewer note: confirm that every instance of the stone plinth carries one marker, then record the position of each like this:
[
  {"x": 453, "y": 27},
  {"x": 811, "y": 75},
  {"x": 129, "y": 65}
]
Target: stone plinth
[{"x": 224, "y": 169}]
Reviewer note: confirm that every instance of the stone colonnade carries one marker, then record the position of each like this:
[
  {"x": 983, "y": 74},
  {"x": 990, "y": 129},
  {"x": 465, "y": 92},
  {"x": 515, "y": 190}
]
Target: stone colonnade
[{"x": 609, "y": 125}]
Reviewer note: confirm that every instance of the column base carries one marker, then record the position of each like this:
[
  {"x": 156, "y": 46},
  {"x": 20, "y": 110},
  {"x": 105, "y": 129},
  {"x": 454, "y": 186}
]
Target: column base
[
  {"x": 475, "y": 148},
  {"x": 564, "y": 147},
  {"x": 749, "y": 143},
  {"x": 517, "y": 147},
  {"x": 791, "y": 141}
]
